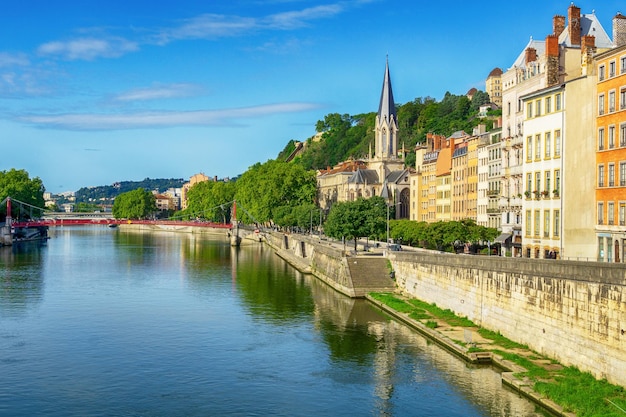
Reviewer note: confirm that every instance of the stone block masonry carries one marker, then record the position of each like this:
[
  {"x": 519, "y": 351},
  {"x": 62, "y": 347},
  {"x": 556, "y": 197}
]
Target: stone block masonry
[{"x": 574, "y": 312}]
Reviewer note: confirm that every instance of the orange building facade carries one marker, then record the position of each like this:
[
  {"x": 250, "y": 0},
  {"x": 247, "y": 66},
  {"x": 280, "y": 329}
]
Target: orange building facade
[{"x": 611, "y": 155}]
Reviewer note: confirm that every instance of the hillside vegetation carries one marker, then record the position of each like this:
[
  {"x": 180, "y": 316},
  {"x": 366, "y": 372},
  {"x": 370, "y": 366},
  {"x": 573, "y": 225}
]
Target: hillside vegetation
[{"x": 345, "y": 136}]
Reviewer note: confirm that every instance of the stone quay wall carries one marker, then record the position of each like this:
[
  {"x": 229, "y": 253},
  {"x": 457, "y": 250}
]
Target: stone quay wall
[
  {"x": 574, "y": 312},
  {"x": 316, "y": 257}
]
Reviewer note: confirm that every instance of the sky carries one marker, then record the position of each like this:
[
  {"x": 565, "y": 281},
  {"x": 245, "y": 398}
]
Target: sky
[{"x": 94, "y": 92}]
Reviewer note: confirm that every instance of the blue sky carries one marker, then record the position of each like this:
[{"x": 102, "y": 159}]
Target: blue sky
[{"x": 93, "y": 92}]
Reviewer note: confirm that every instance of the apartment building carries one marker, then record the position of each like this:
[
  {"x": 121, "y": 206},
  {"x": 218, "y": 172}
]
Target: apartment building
[{"x": 610, "y": 186}]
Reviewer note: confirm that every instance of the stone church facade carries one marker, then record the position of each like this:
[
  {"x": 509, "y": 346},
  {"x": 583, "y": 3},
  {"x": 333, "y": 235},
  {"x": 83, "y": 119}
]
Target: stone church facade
[{"x": 383, "y": 173}]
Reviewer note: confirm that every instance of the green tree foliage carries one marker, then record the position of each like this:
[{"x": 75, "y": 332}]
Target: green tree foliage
[
  {"x": 265, "y": 187},
  {"x": 86, "y": 207},
  {"x": 136, "y": 204},
  {"x": 346, "y": 136},
  {"x": 357, "y": 219},
  {"x": 441, "y": 235},
  {"x": 211, "y": 201},
  {"x": 18, "y": 185},
  {"x": 87, "y": 194}
]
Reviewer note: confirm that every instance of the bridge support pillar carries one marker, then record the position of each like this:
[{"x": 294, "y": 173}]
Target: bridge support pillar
[{"x": 6, "y": 237}]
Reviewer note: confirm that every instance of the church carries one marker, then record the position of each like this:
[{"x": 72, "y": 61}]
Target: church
[{"x": 383, "y": 173}]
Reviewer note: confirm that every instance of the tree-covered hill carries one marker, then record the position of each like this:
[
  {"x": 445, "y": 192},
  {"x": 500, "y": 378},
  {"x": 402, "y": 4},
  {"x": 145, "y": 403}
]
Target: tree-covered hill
[
  {"x": 345, "y": 136},
  {"x": 87, "y": 194}
]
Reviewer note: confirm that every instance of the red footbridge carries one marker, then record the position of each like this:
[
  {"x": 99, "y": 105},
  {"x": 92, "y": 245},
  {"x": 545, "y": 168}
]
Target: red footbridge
[{"x": 75, "y": 220}]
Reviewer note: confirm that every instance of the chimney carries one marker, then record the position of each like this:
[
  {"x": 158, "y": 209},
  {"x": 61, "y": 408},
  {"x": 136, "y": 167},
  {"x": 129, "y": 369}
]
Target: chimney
[
  {"x": 558, "y": 25},
  {"x": 619, "y": 30},
  {"x": 552, "y": 59},
  {"x": 531, "y": 55},
  {"x": 573, "y": 15}
]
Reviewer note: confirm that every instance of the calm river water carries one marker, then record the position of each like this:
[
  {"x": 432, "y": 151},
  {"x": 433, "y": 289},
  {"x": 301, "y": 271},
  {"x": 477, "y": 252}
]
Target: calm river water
[{"x": 107, "y": 322}]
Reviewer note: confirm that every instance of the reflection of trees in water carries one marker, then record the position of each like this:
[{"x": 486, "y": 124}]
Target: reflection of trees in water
[
  {"x": 270, "y": 288},
  {"x": 21, "y": 276}
]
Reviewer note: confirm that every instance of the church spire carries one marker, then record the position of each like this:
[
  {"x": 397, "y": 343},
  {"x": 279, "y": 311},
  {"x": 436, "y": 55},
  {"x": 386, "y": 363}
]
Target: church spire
[{"x": 387, "y": 107}]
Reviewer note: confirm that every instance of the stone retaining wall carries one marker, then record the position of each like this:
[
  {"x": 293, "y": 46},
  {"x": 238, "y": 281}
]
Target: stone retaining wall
[{"x": 574, "y": 312}]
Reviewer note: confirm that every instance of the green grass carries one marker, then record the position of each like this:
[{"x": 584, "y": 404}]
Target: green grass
[
  {"x": 500, "y": 340},
  {"x": 534, "y": 371},
  {"x": 431, "y": 324},
  {"x": 582, "y": 393}
]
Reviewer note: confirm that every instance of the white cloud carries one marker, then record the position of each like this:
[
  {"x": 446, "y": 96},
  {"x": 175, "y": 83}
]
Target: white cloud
[
  {"x": 11, "y": 60},
  {"x": 213, "y": 26},
  {"x": 160, "y": 119},
  {"x": 88, "y": 48},
  {"x": 160, "y": 92}
]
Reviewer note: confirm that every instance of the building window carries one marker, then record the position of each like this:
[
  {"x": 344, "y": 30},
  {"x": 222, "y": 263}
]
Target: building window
[
  {"x": 622, "y": 98},
  {"x": 537, "y": 222},
  {"x": 622, "y": 174},
  {"x": 612, "y": 69},
  {"x": 557, "y": 223},
  {"x": 611, "y": 101},
  {"x": 548, "y": 105},
  {"x": 622, "y": 135},
  {"x": 557, "y": 143},
  {"x": 529, "y": 110},
  {"x": 601, "y": 104},
  {"x": 610, "y": 212},
  {"x": 600, "y": 213},
  {"x": 601, "y": 72},
  {"x": 529, "y": 148},
  {"x": 547, "y": 189},
  {"x": 529, "y": 182},
  {"x": 557, "y": 180},
  {"x": 600, "y": 249},
  {"x": 528, "y": 222},
  {"x": 623, "y": 64},
  {"x": 600, "y": 175},
  {"x": 538, "y": 108},
  {"x": 537, "y": 147},
  {"x": 611, "y": 137},
  {"x": 601, "y": 139},
  {"x": 546, "y": 223},
  {"x": 537, "y": 181},
  {"x": 557, "y": 102},
  {"x": 611, "y": 175},
  {"x": 548, "y": 142},
  {"x": 622, "y": 213}
]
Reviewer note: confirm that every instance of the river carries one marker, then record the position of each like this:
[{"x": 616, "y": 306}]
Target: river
[{"x": 109, "y": 322}]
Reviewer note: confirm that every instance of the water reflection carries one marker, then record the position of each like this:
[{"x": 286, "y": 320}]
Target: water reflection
[{"x": 21, "y": 276}]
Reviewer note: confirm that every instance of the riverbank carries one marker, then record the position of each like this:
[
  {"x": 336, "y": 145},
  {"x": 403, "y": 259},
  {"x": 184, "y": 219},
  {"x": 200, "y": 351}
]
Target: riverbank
[{"x": 563, "y": 391}]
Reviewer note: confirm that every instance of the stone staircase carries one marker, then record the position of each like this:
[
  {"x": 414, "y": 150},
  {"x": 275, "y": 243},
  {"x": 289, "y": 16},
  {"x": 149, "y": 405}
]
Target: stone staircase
[{"x": 370, "y": 274}]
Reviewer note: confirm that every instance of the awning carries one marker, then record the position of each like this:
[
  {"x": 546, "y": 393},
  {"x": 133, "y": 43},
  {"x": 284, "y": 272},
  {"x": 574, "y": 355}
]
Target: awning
[{"x": 503, "y": 238}]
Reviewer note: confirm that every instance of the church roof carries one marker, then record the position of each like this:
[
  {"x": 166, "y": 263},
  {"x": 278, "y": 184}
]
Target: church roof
[
  {"x": 364, "y": 176},
  {"x": 396, "y": 177},
  {"x": 387, "y": 106}
]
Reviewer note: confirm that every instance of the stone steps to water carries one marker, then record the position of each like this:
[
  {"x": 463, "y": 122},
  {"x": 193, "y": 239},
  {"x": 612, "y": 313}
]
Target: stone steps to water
[{"x": 370, "y": 274}]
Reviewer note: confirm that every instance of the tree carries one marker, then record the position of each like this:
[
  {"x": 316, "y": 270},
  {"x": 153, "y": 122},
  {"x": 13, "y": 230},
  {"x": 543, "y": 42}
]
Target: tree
[
  {"x": 265, "y": 187},
  {"x": 357, "y": 219},
  {"x": 136, "y": 204},
  {"x": 211, "y": 200},
  {"x": 17, "y": 185}
]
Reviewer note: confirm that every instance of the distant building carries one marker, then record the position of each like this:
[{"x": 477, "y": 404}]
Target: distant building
[
  {"x": 493, "y": 86},
  {"x": 192, "y": 181}
]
